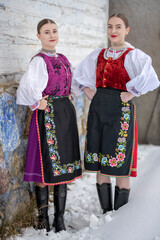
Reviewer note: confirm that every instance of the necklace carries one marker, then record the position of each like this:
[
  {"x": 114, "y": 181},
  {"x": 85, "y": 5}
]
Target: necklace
[
  {"x": 114, "y": 57},
  {"x": 49, "y": 52},
  {"x": 116, "y": 50}
]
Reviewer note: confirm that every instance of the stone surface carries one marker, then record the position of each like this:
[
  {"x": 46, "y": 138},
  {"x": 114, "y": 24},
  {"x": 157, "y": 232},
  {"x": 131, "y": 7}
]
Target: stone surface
[
  {"x": 13, "y": 193},
  {"x": 4, "y": 173}
]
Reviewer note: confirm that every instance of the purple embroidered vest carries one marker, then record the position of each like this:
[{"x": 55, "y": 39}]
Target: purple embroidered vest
[{"x": 59, "y": 75}]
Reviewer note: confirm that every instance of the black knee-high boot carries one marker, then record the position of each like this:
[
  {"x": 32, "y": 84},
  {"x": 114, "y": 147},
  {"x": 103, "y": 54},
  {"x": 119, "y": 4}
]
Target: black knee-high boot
[
  {"x": 121, "y": 197},
  {"x": 60, "y": 194},
  {"x": 105, "y": 196},
  {"x": 42, "y": 205}
]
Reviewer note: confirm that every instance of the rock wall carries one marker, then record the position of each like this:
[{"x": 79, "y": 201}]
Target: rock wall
[
  {"x": 13, "y": 194},
  {"x": 82, "y": 28}
]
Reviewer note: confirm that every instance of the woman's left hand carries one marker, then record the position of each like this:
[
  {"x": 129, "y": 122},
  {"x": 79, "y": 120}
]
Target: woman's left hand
[{"x": 126, "y": 96}]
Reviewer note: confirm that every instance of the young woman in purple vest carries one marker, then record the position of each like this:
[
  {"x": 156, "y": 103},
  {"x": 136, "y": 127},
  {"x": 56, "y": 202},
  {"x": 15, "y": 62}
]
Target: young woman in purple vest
[
  {"x": 53, "y": 156},
  {"x": 118, "y": 74}
]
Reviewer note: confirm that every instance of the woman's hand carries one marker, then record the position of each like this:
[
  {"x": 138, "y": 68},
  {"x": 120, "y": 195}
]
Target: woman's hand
[
  {"x": 89, "y": 92},
  {"x": 71, "y": 96},
  {"x": 126, "y": 96},
  {"x": 43, "y": 103}
]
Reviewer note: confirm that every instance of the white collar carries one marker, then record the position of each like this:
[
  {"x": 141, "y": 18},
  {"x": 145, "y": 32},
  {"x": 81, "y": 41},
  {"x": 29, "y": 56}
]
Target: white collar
[{"x": 114, "y": 54}]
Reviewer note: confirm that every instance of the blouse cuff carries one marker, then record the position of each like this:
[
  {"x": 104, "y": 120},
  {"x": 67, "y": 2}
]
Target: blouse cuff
[
  {"x": 34, "y": 106},
  {"x": 135, "y": 92},
  {"x": 81, "y": 87}
]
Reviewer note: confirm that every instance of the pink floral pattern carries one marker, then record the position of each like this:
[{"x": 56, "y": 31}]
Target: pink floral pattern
[
  {"x": 47, "y": 110},
  {"x": 125, "y": 126},
  {"x": 121, "y": 156},
  {"x": 48, "y": 126},
  {"x": 53, "y": 158},
  {"x": 113, "y": 162},
  {"x": 119, "y": 159},
  {"x": 50, "y": 141},
  {"x": 56, "y": 172}
]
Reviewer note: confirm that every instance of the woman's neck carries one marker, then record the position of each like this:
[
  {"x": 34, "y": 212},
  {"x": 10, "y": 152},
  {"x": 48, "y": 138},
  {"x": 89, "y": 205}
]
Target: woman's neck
[{"x": 117, "y": 46}]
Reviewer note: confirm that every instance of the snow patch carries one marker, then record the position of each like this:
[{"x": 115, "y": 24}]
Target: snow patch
[{"x": 137, "y": 220}]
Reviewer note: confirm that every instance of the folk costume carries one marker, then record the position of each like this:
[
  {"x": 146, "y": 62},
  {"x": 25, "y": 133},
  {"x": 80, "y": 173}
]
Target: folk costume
[
  {"x": 112, "y": 139},
  {"x": 53, "y": 156}
]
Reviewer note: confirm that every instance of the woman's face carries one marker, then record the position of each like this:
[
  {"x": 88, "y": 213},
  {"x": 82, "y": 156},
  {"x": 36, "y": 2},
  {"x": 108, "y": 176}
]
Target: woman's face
[
  {"x": 48, "y": 36},
  {"x": 116, "y": 30}
]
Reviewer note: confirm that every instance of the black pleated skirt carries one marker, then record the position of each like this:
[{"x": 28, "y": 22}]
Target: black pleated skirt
[
  {"x": 110, "y": 134},
  {"x": 58, "y": 142}
]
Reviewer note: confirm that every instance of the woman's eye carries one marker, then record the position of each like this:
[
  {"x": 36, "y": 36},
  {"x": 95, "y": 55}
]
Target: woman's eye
[{"x": 109, "y": 27}]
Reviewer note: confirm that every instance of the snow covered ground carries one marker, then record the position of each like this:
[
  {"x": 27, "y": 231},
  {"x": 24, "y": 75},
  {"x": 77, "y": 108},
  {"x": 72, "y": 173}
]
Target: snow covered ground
[{"x": 138, "y": 220}]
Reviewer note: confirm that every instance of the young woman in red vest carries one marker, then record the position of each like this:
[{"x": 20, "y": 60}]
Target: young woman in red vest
[{"x": 118, "y": 73}]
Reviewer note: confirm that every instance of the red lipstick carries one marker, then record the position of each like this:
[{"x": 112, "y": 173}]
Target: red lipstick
[
  {"x": 113, "y": 36},
  {"x": 52, "y": 40}
]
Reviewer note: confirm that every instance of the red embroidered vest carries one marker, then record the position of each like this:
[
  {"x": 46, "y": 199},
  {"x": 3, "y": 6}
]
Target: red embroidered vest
[{"x": 112, "y": 73}]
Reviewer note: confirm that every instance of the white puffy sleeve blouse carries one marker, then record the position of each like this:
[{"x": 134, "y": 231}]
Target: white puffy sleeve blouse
[
  {"x": 32, "y": 83},
  {"x": 137, "y": 64}
]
